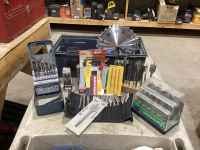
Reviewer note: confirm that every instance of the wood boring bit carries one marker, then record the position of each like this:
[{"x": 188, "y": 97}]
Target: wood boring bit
[
  {"x": 138, "y": 71},
  {"x": 130, "y": 73},
  {"x": 116, "y": 62},
  {"x": 125, "y": 61},
  {"x": 135, "y": 72}
]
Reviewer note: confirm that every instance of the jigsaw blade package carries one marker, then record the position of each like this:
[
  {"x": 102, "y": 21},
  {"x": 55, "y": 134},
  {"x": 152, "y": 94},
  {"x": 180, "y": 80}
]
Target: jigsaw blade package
[{"x": 115, "y": 79}]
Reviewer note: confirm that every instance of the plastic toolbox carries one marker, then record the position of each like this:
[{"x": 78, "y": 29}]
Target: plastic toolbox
[
  {"x": 16, "y": 16},
  {"x": 67, "y": 59}
]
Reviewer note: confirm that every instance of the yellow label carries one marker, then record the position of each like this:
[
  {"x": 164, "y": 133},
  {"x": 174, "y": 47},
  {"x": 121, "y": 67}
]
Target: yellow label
[
  {"x": 88, "y": 73},
  {"x": 115, "y": 17},
  {"x": 95, "y": 11}
]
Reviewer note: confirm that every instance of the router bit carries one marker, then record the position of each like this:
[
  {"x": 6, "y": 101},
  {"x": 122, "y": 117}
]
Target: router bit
[{"x": 42, "y": 65}]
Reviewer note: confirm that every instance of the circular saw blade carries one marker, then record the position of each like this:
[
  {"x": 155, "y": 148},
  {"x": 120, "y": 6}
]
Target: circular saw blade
[{"x": 117, "y": 39}]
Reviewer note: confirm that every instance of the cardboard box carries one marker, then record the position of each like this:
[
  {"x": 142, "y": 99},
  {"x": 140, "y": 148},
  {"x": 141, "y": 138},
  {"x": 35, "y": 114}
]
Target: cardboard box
[
  {"x": 167, "y": 13},
  {"x": 77, "y": 8}
]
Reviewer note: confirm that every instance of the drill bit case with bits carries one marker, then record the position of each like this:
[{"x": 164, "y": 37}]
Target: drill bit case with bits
[
  {"x": 48, "y": 96},
  {"x": 160, "y": 103}
]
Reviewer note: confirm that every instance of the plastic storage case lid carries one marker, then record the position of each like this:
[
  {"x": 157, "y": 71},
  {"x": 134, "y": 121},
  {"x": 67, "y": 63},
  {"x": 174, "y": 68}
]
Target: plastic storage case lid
[
  {"x": 158, "y": 95},
  {"x": 164, "y": 87},
  {"x": 167, "y": 112}
]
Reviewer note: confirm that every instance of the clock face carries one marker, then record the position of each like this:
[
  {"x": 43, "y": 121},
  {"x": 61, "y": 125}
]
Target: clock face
[{"x": 118, "y": 40}]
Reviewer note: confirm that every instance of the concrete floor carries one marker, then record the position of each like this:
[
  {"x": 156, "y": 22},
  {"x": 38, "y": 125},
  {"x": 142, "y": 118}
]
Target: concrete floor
[{"x": 176, "y": 52}]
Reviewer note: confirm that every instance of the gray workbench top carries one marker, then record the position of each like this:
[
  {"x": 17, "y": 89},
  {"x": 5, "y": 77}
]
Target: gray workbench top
[{"x": 54, "y": 124}]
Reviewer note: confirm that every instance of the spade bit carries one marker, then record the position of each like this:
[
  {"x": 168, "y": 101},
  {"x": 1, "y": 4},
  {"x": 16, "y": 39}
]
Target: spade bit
[
  {"x": 93, "y": 108},
  {"x": 125, "y": 61},
  {"x": 135, "y": 72},
  {"x": 138, "y": 71}
]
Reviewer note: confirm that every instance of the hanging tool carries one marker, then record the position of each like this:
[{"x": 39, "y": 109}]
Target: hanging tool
[
  {"x": 93, "y": 108},
  {"x": 130, "y": 73},
  {"x": 138, "y": 71},
  {"x": 152, "y": 69},
  {"x": 125, "y": 61}
]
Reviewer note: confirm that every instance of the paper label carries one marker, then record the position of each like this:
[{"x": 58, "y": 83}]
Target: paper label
[{"x": 78, "y": 8}]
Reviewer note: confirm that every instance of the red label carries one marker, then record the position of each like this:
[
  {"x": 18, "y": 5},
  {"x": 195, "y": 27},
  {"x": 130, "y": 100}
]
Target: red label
[{"x": 94, "y": 85}]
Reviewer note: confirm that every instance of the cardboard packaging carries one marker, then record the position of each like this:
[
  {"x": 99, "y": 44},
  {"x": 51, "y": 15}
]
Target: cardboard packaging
[
  {"x": 77, "y": 8},
  {"x": 167, "y": 13}
]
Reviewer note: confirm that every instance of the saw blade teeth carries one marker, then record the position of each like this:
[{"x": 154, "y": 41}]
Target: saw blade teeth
[{"x": 131, "y": 30}]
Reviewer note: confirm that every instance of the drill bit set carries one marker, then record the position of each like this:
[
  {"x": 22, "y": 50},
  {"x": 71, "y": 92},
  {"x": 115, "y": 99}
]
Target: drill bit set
[
  {"x": 46, "y": 82},
  {"x": 159, "y": 103}
]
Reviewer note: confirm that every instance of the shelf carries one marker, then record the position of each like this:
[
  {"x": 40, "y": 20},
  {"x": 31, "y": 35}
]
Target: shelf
[{"x": 121, "y": 21}]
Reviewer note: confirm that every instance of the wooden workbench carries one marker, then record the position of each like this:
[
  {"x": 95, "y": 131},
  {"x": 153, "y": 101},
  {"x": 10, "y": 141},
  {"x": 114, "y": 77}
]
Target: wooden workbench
[{"x": 14, "y": 55}]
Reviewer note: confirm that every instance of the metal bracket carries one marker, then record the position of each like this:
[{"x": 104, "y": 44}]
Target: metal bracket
[{"x": 6, "y": 2}]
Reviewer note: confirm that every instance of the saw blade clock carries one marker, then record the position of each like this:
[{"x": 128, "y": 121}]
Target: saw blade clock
[{"x": 118, "y": 40}]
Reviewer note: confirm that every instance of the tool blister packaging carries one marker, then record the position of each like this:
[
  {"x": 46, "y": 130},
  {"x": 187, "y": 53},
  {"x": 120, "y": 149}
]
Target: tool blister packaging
[
  {"x": 86, "y": 116},
  {"x": 48, "y": 96},
  {"x": 160, "y": 103},
  {"x": 67, "y": 80},
  {"x": 117, "y": 110}
]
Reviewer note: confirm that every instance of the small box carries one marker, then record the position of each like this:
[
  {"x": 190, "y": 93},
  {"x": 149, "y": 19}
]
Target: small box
[
  {"x": 54, "y": 10},
  {"x": 67, "y": 79},
  {"x": 160, "y": 103},
  {"x": 196, "y": 15},
  {"x": 167, "y": 13},
  {"x": 87, "y": 13},
  {"x": 136, "y": 15},
  {"x": 77, "y": 8}
]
